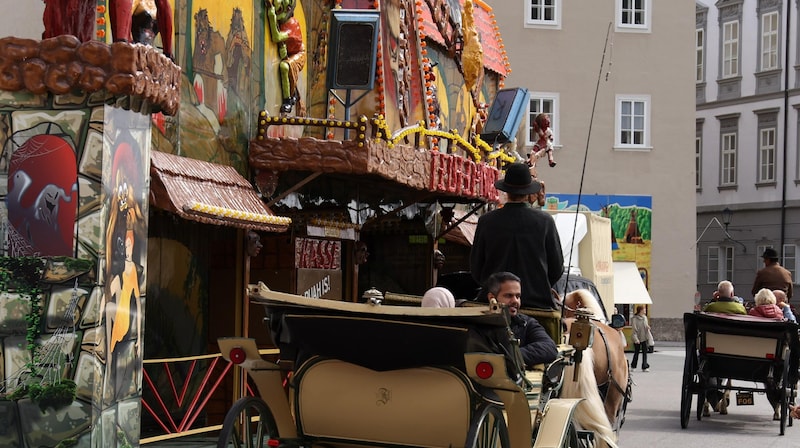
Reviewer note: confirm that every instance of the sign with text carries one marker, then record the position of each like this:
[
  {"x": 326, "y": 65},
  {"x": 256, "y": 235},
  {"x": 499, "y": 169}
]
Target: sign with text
[
  {"x": 313, "y": 253},
  {"x": 319, "y": 283}
]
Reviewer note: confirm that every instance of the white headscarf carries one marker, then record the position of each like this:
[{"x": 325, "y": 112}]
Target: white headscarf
[{"x": 438, "y": 297}]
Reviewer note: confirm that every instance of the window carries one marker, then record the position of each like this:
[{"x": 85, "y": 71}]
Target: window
[
  {"x": 766, "y": 155},
  {"x": 633, "y": 122},
  {"x": 699, "y": 50},
  {"x": 633, "y": 15},
  {"x": 720, "y": 264},
  {"x": 730, "y": 49},
  {"x": 789, "y": 260},
  {"x": 543, "y": 13},
  {"x": 759, "y": 252},
  {"x": 769, "y": 41},
  {"x": 728, "y": 166},
  {"x": 541, "y": 103},
  {"x": 698, "y": 166},
  {"x": 713, "y": 265}
]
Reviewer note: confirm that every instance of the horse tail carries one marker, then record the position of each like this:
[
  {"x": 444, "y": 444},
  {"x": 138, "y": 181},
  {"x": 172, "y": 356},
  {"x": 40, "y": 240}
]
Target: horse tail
[{"x": 590, "y": 413}]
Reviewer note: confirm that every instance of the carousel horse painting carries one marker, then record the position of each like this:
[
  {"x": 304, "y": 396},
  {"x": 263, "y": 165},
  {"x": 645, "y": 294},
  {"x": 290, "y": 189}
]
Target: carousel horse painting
[
  {"x": 210, "y": 70},
  {"x": 603, "y": 375}
]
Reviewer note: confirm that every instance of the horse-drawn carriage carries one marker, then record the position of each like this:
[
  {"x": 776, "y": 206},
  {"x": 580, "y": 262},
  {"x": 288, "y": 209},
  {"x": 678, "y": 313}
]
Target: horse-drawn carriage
[
  {"x": 742, "y": 348},
  {"x": 378, "y": 375}
]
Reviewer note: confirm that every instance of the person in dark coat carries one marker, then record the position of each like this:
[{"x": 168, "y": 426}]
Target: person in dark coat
[
  {"x": 773, "y": 275},
  {"x": 520, "y": 239},
  {"x": 535, "y": 344}
]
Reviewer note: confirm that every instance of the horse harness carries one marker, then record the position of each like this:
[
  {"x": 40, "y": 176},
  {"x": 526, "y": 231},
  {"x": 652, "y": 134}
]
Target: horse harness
[{"x": 604, "y": 387}]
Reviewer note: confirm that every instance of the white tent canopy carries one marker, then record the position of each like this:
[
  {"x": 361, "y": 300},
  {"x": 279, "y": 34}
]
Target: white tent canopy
[{"x": 628, "y": 284}]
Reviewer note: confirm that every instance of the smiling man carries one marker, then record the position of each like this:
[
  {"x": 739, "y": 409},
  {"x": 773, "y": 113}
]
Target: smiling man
[{"x": 534, "y": 342}]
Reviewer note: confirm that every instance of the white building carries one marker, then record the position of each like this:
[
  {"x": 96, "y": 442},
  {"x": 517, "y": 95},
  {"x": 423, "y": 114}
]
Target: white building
[
  {"x": 556, "y": 48},
  {"x": 748, "y": 109}
]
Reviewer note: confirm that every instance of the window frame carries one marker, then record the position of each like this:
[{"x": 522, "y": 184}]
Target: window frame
[
  {"x": 730, "y": 62},
  {"x": 698, "y": 161},
  {"x": 720, "y": 260},
  {"x": 790, "y": 262},
  {"x": 773, "y": 47},
  {"x": 700, "y": 55},
  {"x": 647, "y": 14},
  {"x": 541, "y": 98},
  {"x": 529, "y": 22},
  {"x": 633, "y": 99},
  {"x": 769, "y": 150},
  {"x": 724, "y": 164}
]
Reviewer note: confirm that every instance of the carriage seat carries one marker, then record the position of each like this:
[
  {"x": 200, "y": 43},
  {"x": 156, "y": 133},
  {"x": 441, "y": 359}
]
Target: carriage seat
[{"x": 423, "y": 406}]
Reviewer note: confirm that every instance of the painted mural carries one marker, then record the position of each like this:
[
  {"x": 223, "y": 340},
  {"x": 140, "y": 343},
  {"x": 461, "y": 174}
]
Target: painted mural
[
  {"x": 63, "y": 200},
  {"x": 631, "y": 223},
  {"x": 122, "y": 310}
]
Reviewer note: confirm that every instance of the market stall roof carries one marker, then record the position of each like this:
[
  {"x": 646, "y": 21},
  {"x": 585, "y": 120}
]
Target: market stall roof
[
  {"x": 209, "y": 193},
  {"x": 628, "y": 284}
]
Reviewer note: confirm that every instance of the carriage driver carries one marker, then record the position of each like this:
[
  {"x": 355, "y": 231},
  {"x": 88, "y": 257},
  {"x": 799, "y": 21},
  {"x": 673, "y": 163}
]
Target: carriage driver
[{"x": 535, "y": 344}]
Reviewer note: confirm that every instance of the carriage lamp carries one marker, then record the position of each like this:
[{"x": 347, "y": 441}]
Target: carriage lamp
[{"x": 237, "y": 355}]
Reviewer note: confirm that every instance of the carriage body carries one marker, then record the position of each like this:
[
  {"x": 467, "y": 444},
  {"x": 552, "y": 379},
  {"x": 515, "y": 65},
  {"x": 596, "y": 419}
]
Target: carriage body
[
  {"x": 736, "y": 347},
  {"x": 376, "y": 375}
]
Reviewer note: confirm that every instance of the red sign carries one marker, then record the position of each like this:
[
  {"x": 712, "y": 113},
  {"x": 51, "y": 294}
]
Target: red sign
[
  {"x": 310, "y": 253},
  {"x": 461, "y": 176}
]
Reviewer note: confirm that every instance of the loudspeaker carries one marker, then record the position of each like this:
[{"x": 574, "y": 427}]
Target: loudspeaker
[
  {"x": 352, "y": 49},
  {"x": 505, "y": 115}
]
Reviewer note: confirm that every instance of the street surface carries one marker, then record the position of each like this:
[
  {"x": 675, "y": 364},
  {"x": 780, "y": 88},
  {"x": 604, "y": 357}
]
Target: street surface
[{"x": 653, "y": 418}]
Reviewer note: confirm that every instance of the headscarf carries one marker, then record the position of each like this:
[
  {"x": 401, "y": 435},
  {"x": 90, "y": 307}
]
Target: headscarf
[{"x": 438, "y": 297}]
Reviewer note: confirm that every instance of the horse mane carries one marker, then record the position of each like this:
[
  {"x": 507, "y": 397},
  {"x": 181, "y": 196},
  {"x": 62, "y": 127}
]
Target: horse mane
[
  {"x": 583, "y": 298},
  {"x": 590, "y": 413}
]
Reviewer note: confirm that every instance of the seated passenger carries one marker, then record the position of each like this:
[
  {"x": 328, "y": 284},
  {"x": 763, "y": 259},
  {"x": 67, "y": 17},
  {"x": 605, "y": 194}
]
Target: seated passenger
[
  {"x": 438, "y": 297},
  {"x": 535, "y": 344},
  {"x": 725, "y": 301},
  {"x": 765, "y": 305},
  {"x": 780, "y": 300}
]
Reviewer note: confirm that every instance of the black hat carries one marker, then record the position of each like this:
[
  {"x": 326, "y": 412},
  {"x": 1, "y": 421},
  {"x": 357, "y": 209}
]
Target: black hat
[
  {"x": 518, "y": 180},
  {"x": 770, "y": 253}
]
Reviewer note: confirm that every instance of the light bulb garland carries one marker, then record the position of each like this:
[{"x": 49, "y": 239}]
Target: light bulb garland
[{"x": 240, "y": 215}]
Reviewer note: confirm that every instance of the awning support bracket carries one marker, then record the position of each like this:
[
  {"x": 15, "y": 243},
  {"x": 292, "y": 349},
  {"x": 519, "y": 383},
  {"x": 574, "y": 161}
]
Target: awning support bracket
[{"x": 294, "y": 188}]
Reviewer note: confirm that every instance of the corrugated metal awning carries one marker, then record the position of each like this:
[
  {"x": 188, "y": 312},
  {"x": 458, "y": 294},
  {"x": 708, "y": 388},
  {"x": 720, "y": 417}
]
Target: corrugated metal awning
[{"x": 209, "y": 193}]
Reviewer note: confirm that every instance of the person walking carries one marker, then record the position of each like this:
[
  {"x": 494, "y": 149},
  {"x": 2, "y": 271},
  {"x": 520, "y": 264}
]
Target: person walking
[
  {"x": 519, "y": 239},
  {"x": 773, "y": 275},
  {"x": 640, "y": 335}
]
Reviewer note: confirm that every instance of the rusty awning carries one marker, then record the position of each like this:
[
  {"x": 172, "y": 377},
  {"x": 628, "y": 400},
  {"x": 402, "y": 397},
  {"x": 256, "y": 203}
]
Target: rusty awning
[{"x": 209, "y": 193}]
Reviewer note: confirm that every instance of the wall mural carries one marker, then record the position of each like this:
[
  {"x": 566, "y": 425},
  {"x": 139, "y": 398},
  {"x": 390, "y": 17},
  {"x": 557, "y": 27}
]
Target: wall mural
[
  {"x": 631, "y": 220},
  {"x": 57, "y": 154}
]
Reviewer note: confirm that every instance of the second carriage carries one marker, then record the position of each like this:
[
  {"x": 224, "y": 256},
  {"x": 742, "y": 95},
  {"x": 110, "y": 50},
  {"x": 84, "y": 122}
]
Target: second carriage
[{"x": 746, "y": 349}]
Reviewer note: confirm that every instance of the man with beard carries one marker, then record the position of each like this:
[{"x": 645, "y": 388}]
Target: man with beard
[{"x": 534, "y": 342}]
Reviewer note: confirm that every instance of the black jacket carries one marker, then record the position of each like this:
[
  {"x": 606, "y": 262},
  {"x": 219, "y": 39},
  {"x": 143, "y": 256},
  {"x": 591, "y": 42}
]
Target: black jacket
[
  {"x": 524, "y": 241},
  {"x": 534, "y": 342}
]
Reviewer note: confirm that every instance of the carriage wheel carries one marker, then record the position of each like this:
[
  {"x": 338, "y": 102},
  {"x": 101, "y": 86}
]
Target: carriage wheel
[
  {"x": 488, "y": 429},
  {"x": 686, "y": 392},
  {"x": 785, "y": 392},
  {"x": 248, "y": 424}
]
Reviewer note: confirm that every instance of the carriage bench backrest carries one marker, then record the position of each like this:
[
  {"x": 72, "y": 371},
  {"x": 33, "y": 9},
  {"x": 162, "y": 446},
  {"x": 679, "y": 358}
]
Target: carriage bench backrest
[
  {"x": 425, "y": 406},
  {"x": 749, "y": 346}
]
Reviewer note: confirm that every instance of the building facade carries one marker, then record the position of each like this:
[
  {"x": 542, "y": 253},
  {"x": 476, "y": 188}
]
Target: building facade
[
  {"x": 613, "y": 77},
  {"x": 746, "y": 139}
]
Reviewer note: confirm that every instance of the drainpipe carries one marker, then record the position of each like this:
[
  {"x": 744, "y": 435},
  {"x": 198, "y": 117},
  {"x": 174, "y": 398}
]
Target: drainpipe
[{"x": 785, "y": 120}]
